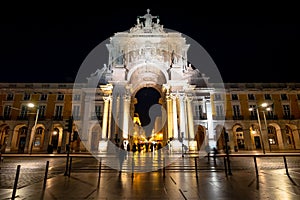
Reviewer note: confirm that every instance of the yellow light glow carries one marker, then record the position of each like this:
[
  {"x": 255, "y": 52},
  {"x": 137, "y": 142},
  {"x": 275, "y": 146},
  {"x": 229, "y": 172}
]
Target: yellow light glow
[{"x": 30, "y": 105}]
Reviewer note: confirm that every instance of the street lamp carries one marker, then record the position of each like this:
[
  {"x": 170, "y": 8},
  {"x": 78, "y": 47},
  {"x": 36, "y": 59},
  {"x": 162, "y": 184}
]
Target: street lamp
[
  {"x": 31, "y": 105},
  {"x": 264, "y": 105}
]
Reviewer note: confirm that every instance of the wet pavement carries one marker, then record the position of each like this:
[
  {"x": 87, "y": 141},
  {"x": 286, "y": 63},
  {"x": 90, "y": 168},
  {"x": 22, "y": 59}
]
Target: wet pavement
[
  {"x": 244, "y": 183},
  {"x": 157, "y": 185}
]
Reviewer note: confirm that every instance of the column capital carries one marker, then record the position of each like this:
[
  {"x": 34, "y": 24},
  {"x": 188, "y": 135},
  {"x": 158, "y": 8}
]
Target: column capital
[
  {"x": 189, "y": 98},
  {"x": 173, "y": 96},
  {"x": 107, "y": 98}
]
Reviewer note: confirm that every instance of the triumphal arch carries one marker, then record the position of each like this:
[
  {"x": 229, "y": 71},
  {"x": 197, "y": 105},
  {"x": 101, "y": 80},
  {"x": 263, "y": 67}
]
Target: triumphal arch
[{"x": 151, "y": 96}]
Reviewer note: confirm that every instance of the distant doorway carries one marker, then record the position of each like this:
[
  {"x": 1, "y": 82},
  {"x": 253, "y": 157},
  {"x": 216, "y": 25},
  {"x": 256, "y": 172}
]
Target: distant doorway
[
  {"x": 199, "y": 137},
  {"x": 55, "y": 139},
  {"x": 257, "y": 142}
]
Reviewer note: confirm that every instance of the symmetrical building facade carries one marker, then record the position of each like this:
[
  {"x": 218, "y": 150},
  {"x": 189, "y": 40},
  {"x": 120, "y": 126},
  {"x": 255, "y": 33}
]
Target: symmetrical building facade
[{"x": 187, "y": 109}]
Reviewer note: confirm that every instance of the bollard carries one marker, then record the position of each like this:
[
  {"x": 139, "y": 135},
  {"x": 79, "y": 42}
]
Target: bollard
[
  {"x": 16, "y": 182},
  {"x": 164, "y": 168},
  {"x": 70, "y": 166},
  {"x": 46, "y": 174},
  {"x": 255, "y": 163},
  {"x": 286, "y": 167},
  {"x": 228, "y": 163},
  {"x": 99, "y": 171},
  {"x": 100, "y": 163},
  {"x": 196, "y": 167}
]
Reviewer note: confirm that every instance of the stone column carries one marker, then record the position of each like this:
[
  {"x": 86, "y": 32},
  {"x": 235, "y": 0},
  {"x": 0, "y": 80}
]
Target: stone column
[
  {"x": 212, "y": 138},
  {"x": 190, "y": 118},
  {"x": 109, "y": 118},
  {"x": 126, "y": 103},
  {"x": 85, "y": 136},
  {"x": 169, "y": 116},
  {"x": 175, "y": 123},
  {"x": 105, "y": 117},
  {"x": 182, "y": 116}
]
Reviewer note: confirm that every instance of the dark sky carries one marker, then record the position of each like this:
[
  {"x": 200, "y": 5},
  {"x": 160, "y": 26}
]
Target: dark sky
[{"x": 246, "y": 46}]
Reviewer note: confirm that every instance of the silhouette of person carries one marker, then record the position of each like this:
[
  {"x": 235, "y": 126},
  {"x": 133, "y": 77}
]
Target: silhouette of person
[{"x": 122, "y": 153}]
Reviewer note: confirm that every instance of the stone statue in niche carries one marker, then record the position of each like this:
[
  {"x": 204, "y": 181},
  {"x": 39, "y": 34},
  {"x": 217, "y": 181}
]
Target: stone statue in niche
[
  {"x": 173, "y": 57},
  {"x": 121, "y": 58}
]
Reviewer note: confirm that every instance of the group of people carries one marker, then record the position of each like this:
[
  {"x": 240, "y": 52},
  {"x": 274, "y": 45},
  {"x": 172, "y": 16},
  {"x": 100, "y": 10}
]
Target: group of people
[{"x": 145, "y": 146}]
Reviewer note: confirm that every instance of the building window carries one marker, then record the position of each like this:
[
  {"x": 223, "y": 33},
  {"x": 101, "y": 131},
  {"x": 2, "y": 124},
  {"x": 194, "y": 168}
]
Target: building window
[
  {"x": 219, "y": 111},
  {"x": 38, "y": 137},
  {"x": 284, "y": 97},
  {"x": 26, "y": 97},
  {"x": 270, "y": 114},
  {"x": 199, "y": 112},
  {"x": 236, "y": 110},
  {"x": 240, "y": 138},
  {"x": 60, "y": 97},
  {"x": 7, "y": 111},
  {"x": 268, "y": 97},
  {"x": 23, "y": 112},
  {"x": 253, "y": 111},
  {"x": 58, "y": 112},
  {"x": 286, "y": 111},
  {"x": 234, "y": 97},
  {"x": 251, "y": 97},
  {"x": 76, "y": 112},
  {"x": 97, "y": 114},
  {"x": 76, "y": 97},
  {"x": 272, "y": 135},
  {"x": 218, "y": 97},
  {"x": 43, "y": 97},
  {"x": 42, "y": 111},
  {"x": 289, "y": 136},
  {"x": 10, "y": 97}
]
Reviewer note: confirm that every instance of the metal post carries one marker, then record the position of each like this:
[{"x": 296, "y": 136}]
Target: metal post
[
  {"x": 260, "y": 131},
  {"x": 132, "y": 167},
  {"x": 286, "y": 167},
  {"x": 164, "y": 168},
  {"x": 68, "y": 155},
  {"x": 100, "y": 163},
  {"x": 265, "y": 120},
  {"x": 46, "y": 174},
  {"x": 255, "y": 164},
  {"x": 67, "y": 160},
  {"x": 16, "y": 182},
  {"x": 227, "y": 154},
  {"x": 225, "y": 166},
  {"x": 99, "y": 171},
  {"x": 70, "y": 166},
  {"x": 34, "y": 130}
]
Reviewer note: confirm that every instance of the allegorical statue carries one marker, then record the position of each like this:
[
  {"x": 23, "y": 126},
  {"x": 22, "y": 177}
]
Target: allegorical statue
[{"x": 148, "y": 18}]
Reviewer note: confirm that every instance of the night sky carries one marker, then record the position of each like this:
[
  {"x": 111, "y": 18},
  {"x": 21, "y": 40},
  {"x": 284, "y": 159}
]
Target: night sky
[{"x": 246, "y": 46}]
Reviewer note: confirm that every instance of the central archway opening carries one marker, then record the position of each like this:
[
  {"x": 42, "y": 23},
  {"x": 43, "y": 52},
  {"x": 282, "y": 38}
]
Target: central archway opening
[{"x": 146, "y": 98}]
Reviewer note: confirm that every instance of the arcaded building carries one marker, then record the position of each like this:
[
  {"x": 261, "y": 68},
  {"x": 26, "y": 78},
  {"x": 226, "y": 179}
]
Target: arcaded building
[{"x": 148, "y": 67}]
